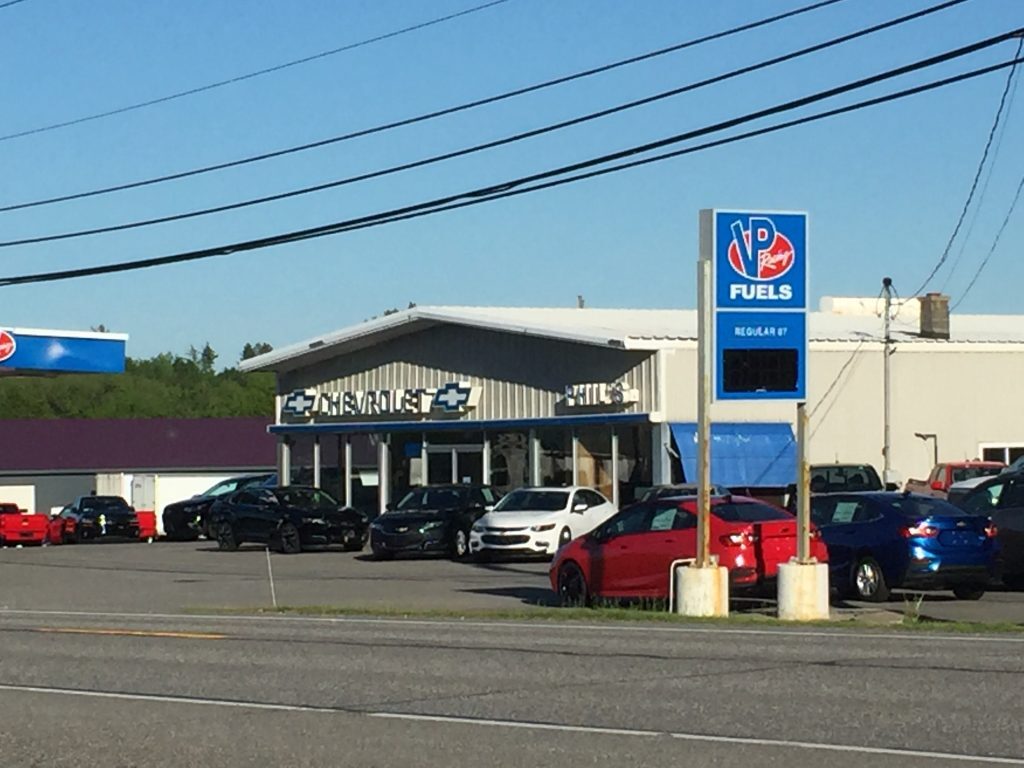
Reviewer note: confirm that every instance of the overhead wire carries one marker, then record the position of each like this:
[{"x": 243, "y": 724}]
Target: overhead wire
[
  {"x": 249, "y": 75},
  {"x": 992, "y": 248},
  {"x": 722, "y": 34},
  {"x": 518, "y": 186},
  {"x": 977, "y": 175},
  {"x": 984, "y": 186},
  {"x": 9, "y": 3},
  {"x": 521, "y": 136}
]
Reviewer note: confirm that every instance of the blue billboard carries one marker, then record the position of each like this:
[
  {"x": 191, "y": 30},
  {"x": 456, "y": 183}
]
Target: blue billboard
[
  {"x": 760, "y": 291},
  {"x": 35, "y": 351}
]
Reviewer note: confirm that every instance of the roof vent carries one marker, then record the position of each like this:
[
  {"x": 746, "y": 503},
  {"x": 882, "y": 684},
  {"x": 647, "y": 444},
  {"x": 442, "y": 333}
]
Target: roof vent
[{"x": 934, "y": 316}]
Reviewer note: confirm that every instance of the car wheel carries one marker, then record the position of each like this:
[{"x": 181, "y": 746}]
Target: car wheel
[
  {"x": 460, "y": 544},
  {"x": 288, "y": 540},
  {"x": 869, "y": 581},
  {"x": 227, "y": 541},
  {"x": 564, "y": 537},
  {"x": 968, "y": 591},
  {"x": 572, "y": 586},
  {"x": 354, "y": 544},
  {"x": 382, "y": 554}
]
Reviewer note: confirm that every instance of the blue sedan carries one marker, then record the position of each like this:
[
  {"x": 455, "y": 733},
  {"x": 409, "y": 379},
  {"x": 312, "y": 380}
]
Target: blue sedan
[{"x": 878, "y": 541}]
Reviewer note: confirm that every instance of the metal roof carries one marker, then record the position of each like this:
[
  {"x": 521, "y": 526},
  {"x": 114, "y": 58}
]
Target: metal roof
[{"x": 642, "y": 329}]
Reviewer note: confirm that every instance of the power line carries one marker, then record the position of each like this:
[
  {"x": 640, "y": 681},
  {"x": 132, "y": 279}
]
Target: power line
[
  {"x": 984, "y": 187},
  {"x": 478, "y": 196},
  {"x": 9, "y": 3},
  {"x": 437, "y": 113},
  {"x": 977, "y": 175},
  {"x": 995, "y": 244},
  {"x": 249, "y": 75},
  {"x": 476, "y": 148}
]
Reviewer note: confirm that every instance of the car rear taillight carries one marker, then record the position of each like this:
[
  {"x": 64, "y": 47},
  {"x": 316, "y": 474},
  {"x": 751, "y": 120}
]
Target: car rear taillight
[
  {"x": 991, "y": 530},
  {"x": 743, "y": 539},
  {"x": 920, "y": 531}
]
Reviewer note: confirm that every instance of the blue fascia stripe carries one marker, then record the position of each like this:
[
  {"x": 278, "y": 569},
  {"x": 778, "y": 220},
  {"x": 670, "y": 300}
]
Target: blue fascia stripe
[{"x": 456, "y": 425}]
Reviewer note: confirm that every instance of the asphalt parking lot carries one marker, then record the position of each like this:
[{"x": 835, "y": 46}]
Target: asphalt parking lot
[{"x": 175, "y": 577}]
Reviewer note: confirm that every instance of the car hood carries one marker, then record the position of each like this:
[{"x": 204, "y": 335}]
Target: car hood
[
  {"x": 392, "y": 520},
  {"x": 523, "y": 519}
]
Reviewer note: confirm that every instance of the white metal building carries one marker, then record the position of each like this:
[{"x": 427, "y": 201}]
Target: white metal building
[{"x": 607, "y": 397}]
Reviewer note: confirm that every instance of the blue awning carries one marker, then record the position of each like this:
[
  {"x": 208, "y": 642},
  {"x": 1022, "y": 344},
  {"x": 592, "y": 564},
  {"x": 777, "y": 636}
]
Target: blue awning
[{"x": 743, "y": 454}]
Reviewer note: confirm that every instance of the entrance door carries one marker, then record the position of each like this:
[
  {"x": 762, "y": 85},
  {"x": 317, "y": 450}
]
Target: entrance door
[{"x": 455, "y": 464}]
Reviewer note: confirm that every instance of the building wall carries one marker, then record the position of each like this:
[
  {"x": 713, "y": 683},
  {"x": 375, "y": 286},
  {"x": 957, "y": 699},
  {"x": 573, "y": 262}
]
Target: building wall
[
  {"x": 53, "y": 490},
  {"x": 962, "y": 392},
  {"x": 520, "y": 376}
]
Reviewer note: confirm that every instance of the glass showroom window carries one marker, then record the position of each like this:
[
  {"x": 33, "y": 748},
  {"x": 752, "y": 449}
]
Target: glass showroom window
[
  {"x": 510, "y": 461},
  {"x": 635, "y": 466},
  {"x": 594, "y": 458},
  {"x": 555, "y": 456}
]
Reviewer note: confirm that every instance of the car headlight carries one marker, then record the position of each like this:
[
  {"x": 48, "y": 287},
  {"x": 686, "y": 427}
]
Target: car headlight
[
  {"x": 477, "y": 528},
  {"x": 375, "y": 525},
  {"x": 433, "y": 525},
  {"x": 541, "y": 528}
]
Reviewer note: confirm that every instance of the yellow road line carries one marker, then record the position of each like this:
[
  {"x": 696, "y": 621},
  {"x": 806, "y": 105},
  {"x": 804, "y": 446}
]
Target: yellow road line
[{"x": 130, "y": 633}]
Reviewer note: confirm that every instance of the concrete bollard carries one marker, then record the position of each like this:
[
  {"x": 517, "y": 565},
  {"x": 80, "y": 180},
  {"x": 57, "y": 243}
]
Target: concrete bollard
[
  {"x": 803, "y": 591},
  {"x": 702, "y": 592}
]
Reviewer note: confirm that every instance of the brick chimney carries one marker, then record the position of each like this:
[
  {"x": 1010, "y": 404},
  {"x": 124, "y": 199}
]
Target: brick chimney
[{"x": 934, "y": 316}]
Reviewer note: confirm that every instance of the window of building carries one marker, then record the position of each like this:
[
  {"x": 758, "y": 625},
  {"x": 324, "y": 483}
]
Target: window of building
[
  {"x": 1004, "y": 452},
  {"x": 594, "y": 457},
  {"x": 510, "y": 461}
]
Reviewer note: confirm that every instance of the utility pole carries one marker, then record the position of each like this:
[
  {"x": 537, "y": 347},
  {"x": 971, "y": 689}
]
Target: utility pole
[{"x": 887, "y": 385}]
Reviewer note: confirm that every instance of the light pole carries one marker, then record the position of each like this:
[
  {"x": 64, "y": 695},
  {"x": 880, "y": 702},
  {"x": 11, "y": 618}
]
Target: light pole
[{"x": 935, "y": 444}]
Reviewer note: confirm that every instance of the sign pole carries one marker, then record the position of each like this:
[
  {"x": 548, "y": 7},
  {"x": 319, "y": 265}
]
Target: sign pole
[
  {"x": 803, "y": 487},
  {"x": 705, "y": 347}
]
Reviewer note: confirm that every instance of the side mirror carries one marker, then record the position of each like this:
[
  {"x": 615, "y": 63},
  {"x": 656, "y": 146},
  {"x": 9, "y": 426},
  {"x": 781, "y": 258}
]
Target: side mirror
[
  {"x": 488, "y": 507},
  {"x": 892, "y": 486},
  {"x": 579, "y": 508},
  {"x": 389, "y": 507},
  {"x": 937, "y": 485}
]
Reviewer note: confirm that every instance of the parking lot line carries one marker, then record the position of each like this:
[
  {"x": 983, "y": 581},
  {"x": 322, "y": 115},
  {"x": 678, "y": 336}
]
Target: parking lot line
[
  {"x": 527, "y": 725},
  {"x": 130, "y": 633}
]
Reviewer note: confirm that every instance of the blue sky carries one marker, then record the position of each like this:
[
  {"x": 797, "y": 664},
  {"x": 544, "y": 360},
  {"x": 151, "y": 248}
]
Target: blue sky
[{"x": 883, "y": 186}]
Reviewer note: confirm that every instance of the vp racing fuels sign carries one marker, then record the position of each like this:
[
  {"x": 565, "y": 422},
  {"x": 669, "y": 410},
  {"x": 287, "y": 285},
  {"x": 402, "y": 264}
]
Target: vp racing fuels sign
[
  {"x": 759, "y": 268},
  {"x": 452, "y": 398},
  {"x": 760, "y": 260}
]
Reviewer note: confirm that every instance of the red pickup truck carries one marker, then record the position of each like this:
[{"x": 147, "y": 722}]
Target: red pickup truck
[
  {"x": 18, "y": 527},
  {"x": 945, "y": 474}
]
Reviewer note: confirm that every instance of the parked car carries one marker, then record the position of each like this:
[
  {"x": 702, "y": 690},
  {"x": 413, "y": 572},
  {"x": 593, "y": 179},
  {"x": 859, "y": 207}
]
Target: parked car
[
  {"x": 1002, "y": 498},
  {"x": 18, "y": 527},
  {"x": 1017, "y": 465},
  {"x": 288, "y": 518},
  {"x": 537, "y": 521},
  {"x": 947, "y": 473},
  {"x": 835, "y": 478},
  {"x": 880, "y": 541},
  {"x": 631, "y": 554},
  {"x": 431, "y": 519},
  {"x": 90, "y": 518},
  {"x": 957, "y": 492},
  {"x": 187, "y": 520}
]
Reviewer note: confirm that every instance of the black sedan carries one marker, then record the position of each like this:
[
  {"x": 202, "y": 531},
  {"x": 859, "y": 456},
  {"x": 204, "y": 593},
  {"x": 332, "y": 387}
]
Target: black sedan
[
  {"x": 432, "y": 519},
  {"x": 1002, "y": 498},
  {"x": 187, "y": 520},
  {"x": 286, "y": 518},
  {"x": 98, "y": 517}
]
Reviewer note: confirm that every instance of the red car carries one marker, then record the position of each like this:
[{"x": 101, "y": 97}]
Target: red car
[
  {"x": 630, "y": 555},
  {"x": 17, "y": 527}
]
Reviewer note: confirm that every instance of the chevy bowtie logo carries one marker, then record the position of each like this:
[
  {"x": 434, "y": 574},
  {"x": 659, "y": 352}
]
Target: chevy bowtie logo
[
  {"x": 299, "y": 403},
  {"x": 452, "y": 397}
]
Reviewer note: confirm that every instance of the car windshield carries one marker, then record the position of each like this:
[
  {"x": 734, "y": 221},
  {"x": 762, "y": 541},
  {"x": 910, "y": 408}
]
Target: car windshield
[
  {"x": 104, "y": 502},
  {"x": 306, "y": 498},
  {"x": 221, "y": 488},
  {"x": 533, "y": 501},
  {"x": 9, "y": 509},
  {"x": 749, "y": 512},
  {"x": 925, "y": 506},
  {"x": 431, "y": 498},
  {"x": 959, "y": 474},
  {"x": 843, "y": 478}
]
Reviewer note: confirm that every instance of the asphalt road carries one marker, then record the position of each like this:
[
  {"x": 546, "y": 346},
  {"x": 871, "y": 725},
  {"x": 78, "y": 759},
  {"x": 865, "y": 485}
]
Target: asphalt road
[
  {"x": 121, "y": 690},
  {"x": 172, "y": 577}
]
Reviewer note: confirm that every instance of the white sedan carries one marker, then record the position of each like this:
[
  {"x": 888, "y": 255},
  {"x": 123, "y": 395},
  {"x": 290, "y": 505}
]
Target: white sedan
[{"x": 539, "y": 520}]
